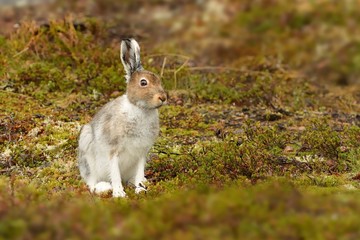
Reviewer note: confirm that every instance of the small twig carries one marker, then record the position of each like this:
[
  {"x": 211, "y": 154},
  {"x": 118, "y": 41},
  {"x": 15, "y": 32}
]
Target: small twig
[
  {"x": 21, "y": 52},
  {"x": 178, "y": 70},
  {"x": 216, "y": 68},
  {"x": 31, "y": 41},
  {"x": 162, "y": 67},
  {"x": 12, "y": 189},
  {"x": 15, "y": 93},
  {"x": 168, "y": 55}
]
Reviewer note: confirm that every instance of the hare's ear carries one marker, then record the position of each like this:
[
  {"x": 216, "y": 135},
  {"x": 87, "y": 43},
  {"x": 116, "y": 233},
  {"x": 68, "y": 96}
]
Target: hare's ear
[{"x": 130, "y": 56}]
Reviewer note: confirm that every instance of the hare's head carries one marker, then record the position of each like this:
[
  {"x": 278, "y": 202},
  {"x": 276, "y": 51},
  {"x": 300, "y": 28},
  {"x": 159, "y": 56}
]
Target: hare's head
[{"x": 143, "y": 87}]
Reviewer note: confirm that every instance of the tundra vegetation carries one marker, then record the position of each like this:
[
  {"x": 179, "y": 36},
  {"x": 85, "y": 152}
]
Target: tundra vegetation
[{"x": 260, "y": 139}]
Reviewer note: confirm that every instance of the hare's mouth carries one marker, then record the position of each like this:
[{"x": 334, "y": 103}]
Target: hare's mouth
[
  {"x": 159, "y": 105},
  {"x": 149, "y": 106},
  {"x": 146, "y": 104}
]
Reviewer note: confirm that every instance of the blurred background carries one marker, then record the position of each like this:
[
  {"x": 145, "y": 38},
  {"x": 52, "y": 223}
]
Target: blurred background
[{"x": 319, "y": 38}]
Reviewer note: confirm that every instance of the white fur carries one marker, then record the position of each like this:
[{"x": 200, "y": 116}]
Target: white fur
[
  {"x": 114, "y": 145},
  {"x": 102, "y": 187},
  {"x": 139, "y": 190},
  {"x": 129, "y": 164}
]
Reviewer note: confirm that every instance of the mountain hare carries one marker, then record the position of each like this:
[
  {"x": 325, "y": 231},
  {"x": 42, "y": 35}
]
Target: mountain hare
[{"x": 114, "y": 145}]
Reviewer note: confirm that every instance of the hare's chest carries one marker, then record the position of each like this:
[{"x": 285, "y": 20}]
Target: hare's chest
[
  {"x": 144, "y": 128},
  {"x": 141, "y": 131}
]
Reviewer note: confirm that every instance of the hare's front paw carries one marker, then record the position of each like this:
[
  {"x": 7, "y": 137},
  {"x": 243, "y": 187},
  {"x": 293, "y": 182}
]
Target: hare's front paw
[
  {"x": 140, "y": 189},
  {"x": 118, "y": 193}
]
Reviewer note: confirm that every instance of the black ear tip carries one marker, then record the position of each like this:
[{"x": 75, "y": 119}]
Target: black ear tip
[
  {"x": 126, "y": 42},
  {"x": 127, "y": 39}
]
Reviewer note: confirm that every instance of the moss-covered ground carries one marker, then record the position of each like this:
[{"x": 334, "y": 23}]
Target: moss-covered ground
[{"x": 260, "y": 139}]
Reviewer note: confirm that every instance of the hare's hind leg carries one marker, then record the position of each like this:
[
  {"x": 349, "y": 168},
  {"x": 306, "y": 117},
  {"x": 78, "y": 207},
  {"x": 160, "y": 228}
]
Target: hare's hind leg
[
  {"x": 102, "y": 187},
  {"x": 96, "y": 183},
  {"x": 85, "y": 157},
  {"x": 86, "y": 171}
]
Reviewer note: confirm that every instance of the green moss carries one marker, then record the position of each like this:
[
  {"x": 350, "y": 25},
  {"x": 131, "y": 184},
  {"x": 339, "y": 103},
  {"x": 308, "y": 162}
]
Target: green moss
[
  {"x": 251, "y": 145},
  {"x": 260, "y": 211}
]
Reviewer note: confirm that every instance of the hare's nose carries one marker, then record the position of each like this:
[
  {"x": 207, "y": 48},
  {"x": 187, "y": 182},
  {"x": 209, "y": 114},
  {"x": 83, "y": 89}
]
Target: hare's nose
[{"x": 162, "y": 98}]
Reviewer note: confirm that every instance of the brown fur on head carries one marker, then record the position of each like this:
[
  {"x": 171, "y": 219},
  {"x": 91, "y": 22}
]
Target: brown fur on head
[
  {"x": 145, "y": 91},
  {"x": 143, "y": 87}
]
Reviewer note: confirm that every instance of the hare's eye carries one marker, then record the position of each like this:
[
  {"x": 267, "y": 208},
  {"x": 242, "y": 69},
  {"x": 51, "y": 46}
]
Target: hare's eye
[{"x": 143, "y": 82}]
